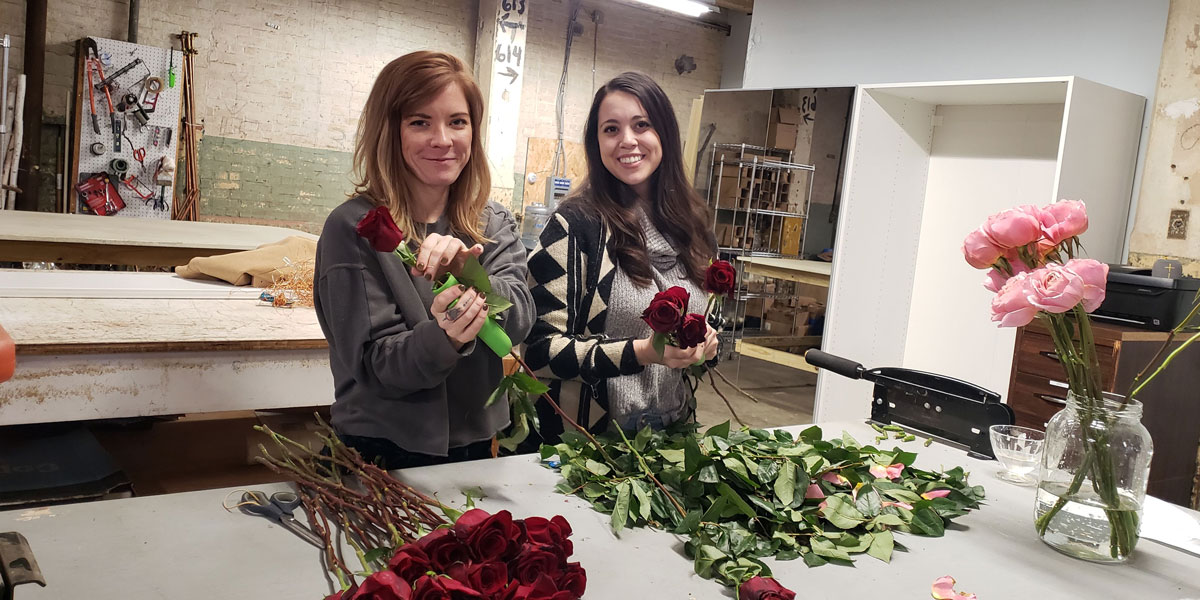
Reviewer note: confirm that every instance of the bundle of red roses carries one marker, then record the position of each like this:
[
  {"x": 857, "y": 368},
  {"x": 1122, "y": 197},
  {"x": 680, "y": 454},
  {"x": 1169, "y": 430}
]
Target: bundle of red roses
[
  {"x": 483, "y": 556},
  {"x": 667, "y": 314}
]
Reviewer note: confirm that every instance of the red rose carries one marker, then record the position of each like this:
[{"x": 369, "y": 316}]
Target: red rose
[
  {"x": 443, "y": 548},
  {"x": 534, "y": 561},
  {"x": 384, "y": 585},
  {"x": 488, "y": 579},
  {"x": 542, "y": 588},
  {"x": 720, "y": 278},
  {"x": 489, "y": 537},
  {"x": 442, "y": 588},
  {"x": 380, "y": 230},
  {"x": 550, "y": 532},
  {"x": 764, "y": 588},
  {"x": 575, "y": 579},
  {"x": 692, "y": 331},
  {"x": 666, "y": 310},
  {"x": 410, "y": 562}
]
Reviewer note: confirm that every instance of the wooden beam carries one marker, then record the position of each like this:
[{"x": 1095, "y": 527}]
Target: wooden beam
[
  {"x": 746, "y": 6},
  {"x": 773, "y": 341},
  {"x": 778, "y": 357}
]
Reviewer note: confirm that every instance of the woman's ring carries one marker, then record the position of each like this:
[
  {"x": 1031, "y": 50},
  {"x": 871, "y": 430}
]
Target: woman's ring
[{"x": 453, "y": 313}]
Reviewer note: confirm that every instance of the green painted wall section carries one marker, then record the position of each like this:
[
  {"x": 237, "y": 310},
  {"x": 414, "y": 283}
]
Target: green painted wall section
[{"x": 271, "y": 184}]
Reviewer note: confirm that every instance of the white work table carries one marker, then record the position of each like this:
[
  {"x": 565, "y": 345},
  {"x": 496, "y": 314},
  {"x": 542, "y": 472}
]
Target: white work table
[
  {"x": 185, "y": 546},
  {"x": 93, "y": 345},
  {"x": 90, "y": 239}
]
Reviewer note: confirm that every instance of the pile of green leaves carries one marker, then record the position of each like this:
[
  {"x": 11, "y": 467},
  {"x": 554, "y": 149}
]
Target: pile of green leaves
[{"x": 743, "y": 494}]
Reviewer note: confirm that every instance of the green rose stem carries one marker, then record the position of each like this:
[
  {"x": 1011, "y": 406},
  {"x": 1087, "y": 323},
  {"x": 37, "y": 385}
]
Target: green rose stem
[
  {"x": 1082, "y": 367},
  {"x": 650, "y": 474},
  {"x": 592, "y": 439},
  {"x": 1138, "y": 384}
]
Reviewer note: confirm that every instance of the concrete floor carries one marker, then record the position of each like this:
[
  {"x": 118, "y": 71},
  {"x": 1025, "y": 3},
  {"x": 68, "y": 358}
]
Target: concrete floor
[{"x": 785, "y": 395}]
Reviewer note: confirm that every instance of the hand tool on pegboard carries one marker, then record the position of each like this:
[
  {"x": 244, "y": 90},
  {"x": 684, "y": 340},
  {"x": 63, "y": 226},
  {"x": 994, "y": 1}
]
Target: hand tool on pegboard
[
  {"x": 93, "y": 64},
  {"x": 107, "y": 83},
  {"x": 100, "y": 195}
]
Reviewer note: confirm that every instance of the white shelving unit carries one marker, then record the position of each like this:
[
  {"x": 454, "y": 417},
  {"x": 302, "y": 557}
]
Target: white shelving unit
[{"x": 928, "y": 163}]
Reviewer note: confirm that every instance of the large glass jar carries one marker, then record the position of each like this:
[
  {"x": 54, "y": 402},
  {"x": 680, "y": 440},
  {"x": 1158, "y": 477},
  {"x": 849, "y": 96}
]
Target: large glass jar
[{"x": 1094, "y": 470}]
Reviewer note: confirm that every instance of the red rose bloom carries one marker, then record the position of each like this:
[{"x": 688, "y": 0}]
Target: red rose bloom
[
  {"x": 443, "y": 548},
  {"x": 534, "y": 561},
  {"x": 692, "y": 331},
  {"x": 489, "y": 537},
  {"x": 410, "y": 562},
  {"x": 575, "y": 579},
  {"x": 549, "y": 532},
  {"x": 384, "y": 585},
  {"x": 442, "y": 588},
  {"x": 488, "y": 579},
  {"x": 666, "y": 310},
  {"x": 380, "y": 230},
  {"x": 764, "y": 588},
  {"x": 720, "y": 278}
]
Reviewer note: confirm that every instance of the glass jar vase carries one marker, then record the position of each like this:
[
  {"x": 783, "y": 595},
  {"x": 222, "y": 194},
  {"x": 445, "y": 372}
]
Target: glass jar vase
[{"x": 1094, "y": 470}]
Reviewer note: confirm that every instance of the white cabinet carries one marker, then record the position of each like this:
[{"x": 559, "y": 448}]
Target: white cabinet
[{"x": 928, "y": 162}]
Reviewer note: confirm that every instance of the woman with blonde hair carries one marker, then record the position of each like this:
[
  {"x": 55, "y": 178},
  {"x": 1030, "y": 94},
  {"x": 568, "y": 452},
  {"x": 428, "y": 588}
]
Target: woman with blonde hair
[{"x": 410, "y": 381}]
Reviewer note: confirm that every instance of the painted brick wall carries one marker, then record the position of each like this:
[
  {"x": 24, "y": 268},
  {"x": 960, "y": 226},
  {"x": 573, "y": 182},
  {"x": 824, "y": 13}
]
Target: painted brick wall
[
  {"x": 280, "y": 105},
  {"x": 630, "y": 38}
]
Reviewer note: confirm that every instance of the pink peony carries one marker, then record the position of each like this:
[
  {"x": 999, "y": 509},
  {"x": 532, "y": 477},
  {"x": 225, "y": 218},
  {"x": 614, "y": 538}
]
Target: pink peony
[
  {"x": 1063, "y": 220},
  {"x": 1053, "y": 288},
  {"x": 1094, "y": 275},
  {"x": 1014, "y": 227},
  {"x": 1011, "y": 306},
  {"x": 980, "y": 251}
]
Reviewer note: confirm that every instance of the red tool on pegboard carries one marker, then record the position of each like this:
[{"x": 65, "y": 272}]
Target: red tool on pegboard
[{"x": 100, "y": 194}]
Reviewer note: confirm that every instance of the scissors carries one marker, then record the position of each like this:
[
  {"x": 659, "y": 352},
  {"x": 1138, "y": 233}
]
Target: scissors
[{"x": 279, "y": 508}]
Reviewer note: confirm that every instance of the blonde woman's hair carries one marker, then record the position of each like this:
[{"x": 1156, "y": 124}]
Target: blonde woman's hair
[{"x": 379, "y": 168}]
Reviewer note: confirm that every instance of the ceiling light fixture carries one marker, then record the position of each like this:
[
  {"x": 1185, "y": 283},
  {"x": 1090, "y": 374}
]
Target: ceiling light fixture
[{"x": 691, "y": 8}]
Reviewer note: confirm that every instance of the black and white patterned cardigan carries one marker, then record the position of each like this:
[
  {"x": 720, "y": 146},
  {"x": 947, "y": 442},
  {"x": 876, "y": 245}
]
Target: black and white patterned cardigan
[{"x": 571, "y": 274}]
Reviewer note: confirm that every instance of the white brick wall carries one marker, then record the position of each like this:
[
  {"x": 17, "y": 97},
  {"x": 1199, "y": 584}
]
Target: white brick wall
[{"x": 630, "y": 38}]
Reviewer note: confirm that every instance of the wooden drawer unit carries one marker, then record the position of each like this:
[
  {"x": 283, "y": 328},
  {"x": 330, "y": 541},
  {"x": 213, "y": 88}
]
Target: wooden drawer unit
[{"x": 1171, "y": 412}]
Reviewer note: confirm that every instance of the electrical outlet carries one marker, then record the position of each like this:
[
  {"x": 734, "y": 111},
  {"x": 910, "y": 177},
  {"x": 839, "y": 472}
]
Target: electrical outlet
[{"x": 1178, "y": 225}]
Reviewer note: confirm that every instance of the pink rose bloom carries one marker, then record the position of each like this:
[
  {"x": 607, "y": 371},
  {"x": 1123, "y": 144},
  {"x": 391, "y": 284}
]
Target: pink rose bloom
[
  {"x": 888, "y": 472},
  {"x": 1094, "y": 275},
  {"x": 1011, "y": 307},
  {"x": 980, "y": 251},
  {"x": 995, "y": 278},
  {"x": 1063, "y": 220},
  {"x": 1014, "y": 227},
  {"x": 1054, "y": 288}
]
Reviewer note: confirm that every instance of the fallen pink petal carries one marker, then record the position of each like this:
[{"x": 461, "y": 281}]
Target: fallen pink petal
[
  {"x": 903, "y": 505},
  {"x": 930, "y": 495},
  {"x": 943, "y": 589},
  {"x": 835, "y": 478},
  {"x": 814, "y": 491}
]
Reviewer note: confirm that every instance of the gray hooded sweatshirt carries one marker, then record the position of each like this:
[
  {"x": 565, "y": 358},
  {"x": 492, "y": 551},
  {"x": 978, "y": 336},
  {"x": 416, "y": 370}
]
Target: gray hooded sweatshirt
[{"x": 396, "y": 374}]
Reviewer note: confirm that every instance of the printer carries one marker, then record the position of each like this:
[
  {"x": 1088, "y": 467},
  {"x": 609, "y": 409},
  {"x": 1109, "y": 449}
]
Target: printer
[{"x": 1136, "y": 298}]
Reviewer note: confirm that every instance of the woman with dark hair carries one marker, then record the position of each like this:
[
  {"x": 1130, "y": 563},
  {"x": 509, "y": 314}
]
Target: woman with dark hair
[
  {"x": 634, "y": 228},
  {"x": 410, "y": 381}
]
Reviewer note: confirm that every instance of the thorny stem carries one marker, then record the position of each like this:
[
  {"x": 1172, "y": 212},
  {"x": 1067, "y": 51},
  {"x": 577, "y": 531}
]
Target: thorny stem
[
  {"x": 713, "y": 382},
  {"x": 563, "y": 414},
  {"x": 650, "y": 474},
  {"x": 732, "y": 384}
]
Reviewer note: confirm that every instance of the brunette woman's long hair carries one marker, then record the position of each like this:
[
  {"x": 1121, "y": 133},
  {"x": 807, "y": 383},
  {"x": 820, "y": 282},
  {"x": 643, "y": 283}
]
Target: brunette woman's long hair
[
  {"x": 381, "y": 174},
  {"x": 674, "y": 207}
]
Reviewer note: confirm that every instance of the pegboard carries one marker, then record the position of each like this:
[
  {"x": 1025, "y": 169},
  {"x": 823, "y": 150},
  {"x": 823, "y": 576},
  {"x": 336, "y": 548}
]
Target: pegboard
[{"x": 161, "y": 116}]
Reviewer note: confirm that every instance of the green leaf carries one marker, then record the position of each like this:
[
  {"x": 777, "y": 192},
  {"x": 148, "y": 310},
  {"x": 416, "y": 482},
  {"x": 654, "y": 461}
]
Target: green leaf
[
  {"x": 826, "y": 548},
  {"x": 812, "y": 559},
  {"x": 709, "y": 474},
  {"x": 906, "y": 458},
  {"x": 689, "y": 523},
  {"x": 451, "y": 514},
  {"x": 902, "y": 495},
  {"x": 528, "y": 384},
  {"x": 706, "y": 556},
  {"x": 737, "y": 467},
  {"x": 812, "y": 434},
  {"x": 474, "y": 275},
  {"x": 713, "y": 514},
  {"x": 620, "y": 513},
  {"x": 515, "y": 434},
  {"x": 734, "y": 499},
  {"x": 659, "y": 342},
  {"x": 841, "y": 513},
  {"x": 380, "y": 553},
  {"x": 868, "y": 502},
  {"x": 501, "y": 390},
  {"x": 598, "y": 468},
  {"x": 694, "y": 456},
  {"x": 643, "y": 498},
  {"x": 768, "y": 471},
  {"x": 928, "y": 522},
  {"x": 785, "y": 484},
  {"x": 674, "y": 456},
  {"x": 881, "y": 546},
  {"x": 721, "y": 430},
  {"x": 886, "y": 519}
]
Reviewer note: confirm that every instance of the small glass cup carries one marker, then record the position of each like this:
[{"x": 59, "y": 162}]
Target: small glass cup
[{"x": 1019, "y": 450}]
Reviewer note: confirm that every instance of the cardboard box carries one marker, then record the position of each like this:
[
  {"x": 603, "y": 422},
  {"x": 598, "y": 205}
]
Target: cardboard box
[
  {"x": 793, "y": 227},
  {"x": 724, "y": 234},
  {"x": 784, "y": 127}
]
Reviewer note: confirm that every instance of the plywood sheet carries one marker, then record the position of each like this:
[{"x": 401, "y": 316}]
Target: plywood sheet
[{"x": 539, "y": 160}]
